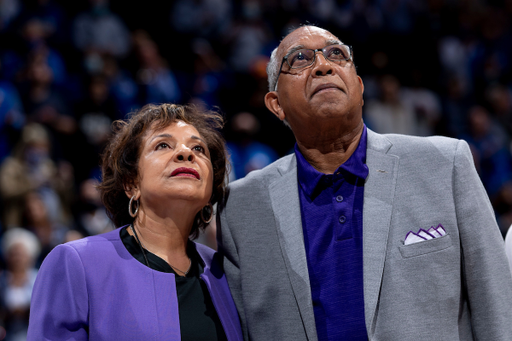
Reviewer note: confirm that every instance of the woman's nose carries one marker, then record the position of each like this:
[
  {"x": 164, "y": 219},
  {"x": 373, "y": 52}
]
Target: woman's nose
[{"x": 185, "y": 154}]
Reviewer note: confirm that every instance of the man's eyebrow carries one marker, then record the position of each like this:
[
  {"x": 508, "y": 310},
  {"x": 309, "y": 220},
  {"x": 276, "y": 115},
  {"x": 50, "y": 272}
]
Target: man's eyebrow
[
  {"x": 332, "y": 42},
  {"x": 298, "y": 47},
  {"x": 293, "y": 49}
]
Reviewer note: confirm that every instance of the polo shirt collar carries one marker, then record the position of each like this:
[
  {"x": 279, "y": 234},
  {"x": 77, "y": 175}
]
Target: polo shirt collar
[{"x": 309, "y": 178}]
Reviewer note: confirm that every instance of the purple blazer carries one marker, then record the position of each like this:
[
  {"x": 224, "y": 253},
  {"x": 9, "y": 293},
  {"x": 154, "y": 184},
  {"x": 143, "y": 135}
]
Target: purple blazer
[{"x": 93, "y": 289}]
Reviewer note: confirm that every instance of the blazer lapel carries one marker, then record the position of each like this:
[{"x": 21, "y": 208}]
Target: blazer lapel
[
  {"x": 379, "y": 192},
  {"x": 284, "y": 197}
]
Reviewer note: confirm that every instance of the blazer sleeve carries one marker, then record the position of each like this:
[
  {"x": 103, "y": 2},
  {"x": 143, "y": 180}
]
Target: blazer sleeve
[
  {"x": 486, "y": 276},
  {"x": 230, "y": 263},
  {"x": 59, "y": 304}
]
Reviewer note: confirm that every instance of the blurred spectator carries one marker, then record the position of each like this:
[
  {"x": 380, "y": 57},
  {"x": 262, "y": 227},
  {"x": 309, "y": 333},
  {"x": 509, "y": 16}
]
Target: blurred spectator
[
  {"x": 29, "y": 169},
  {"x": 43, "y": 102},
  {"x": 73, "y": 235},
  {"x": 360, "y": 18},
  {"x": 388, "y": 113},
  {"x": 246, "y": 153},
  {"x": 247, "y": 38},
  {"x": 489, "y": 144},
  {"x": 499, "y": 98},
  {"x": 40, "y": 52},
  {"x": 490, "y": 57},
  {"x": 210, "y": 74},
  {"x": 502, "y": 204},
  {"x": 36, "y": 218},
  {"x": 9, "y": 10},
  {"x": 122, "y": 86},
  {"x": 94, "y": 115},
  {"x": 97, "y": 111},
  {"x": 20, "y": 248},
  {"x": 90, "y": 214},
  {"x": 201, "y": 18},
  {"x": 12, "y": 117},
  {"x": 46, "y": 18},
  {"x": 455, "y": 107},
  {"x": 98, "y": 31},
  {"x": 158, "y": 82},
  {"x": 399, "y": 15},
  {"x": 424, "y": 103},
  {"x": 454, "y": 57}
]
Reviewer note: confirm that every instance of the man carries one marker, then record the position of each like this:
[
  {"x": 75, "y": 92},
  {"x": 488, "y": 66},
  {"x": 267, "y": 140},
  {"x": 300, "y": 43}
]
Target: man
[{"x": 358, "y": 235}]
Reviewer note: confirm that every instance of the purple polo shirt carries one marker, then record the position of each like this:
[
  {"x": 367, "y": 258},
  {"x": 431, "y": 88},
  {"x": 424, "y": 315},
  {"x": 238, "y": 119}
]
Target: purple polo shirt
[{"x": 332, "y": 221}]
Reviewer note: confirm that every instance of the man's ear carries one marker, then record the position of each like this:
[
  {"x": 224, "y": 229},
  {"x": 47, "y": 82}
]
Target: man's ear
[{"x": 272, "y": 103}]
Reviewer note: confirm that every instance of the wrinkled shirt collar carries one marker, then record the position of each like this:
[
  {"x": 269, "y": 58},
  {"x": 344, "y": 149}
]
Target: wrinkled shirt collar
[{"x": 309, "y": 178}]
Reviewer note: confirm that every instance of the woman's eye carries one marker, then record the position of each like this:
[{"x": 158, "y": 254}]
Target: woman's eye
[
  {"x": 199, "y": 149},
  {"x": 162, "y": 145}
]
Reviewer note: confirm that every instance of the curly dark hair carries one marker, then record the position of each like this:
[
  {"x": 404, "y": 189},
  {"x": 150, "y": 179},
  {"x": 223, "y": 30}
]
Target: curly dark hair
[{"x": 121, "y": 155}]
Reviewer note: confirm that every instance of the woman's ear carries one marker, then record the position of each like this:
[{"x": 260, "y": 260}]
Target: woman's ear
[
  {"x": 272, "y": 103},
  {"x": 131, "y": 191}
]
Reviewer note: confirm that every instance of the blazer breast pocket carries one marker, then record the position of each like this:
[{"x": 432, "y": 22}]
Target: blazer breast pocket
[{"x": 428, "y": 246}]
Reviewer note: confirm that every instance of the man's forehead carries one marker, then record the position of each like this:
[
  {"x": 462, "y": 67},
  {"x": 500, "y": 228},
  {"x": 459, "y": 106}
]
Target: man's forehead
[{"x": 307, "y": 36}]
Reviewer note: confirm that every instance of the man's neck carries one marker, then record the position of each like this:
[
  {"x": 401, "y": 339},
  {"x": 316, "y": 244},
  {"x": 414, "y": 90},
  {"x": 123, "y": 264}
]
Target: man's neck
[{"x": 327, "y": 152}]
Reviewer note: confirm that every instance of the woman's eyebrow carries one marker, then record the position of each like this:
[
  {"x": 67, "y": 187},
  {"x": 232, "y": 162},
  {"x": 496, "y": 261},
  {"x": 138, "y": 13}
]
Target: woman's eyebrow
[
  {"x": 198, "y": 138},
  {"x": 194, "y": 137},
  {"x": 160, "y": 135}
]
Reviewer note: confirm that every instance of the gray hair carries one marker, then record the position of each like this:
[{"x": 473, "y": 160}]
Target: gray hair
[
  {"x": 17, "y": 235},
  {"x": 272, "y": 70},
  {"x": 273, "y": 64}
]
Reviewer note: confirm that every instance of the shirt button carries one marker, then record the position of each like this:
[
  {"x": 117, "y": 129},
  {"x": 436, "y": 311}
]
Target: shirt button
[
  {"x": 342, "y": 219},
  {"x": 339, "y": 198}
]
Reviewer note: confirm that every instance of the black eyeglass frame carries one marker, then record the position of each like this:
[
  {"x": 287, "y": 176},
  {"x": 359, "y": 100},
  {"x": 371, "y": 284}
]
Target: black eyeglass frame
[{"x": 285, "y": 58}]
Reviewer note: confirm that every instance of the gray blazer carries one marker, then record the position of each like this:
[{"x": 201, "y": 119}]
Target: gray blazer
[{"x": 456, "y": 287}]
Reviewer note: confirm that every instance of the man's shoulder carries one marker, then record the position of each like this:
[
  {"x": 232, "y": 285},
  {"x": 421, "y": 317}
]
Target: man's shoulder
[
  {"x": 406, "y": 144},
  {"x": 264, "y": 176}
]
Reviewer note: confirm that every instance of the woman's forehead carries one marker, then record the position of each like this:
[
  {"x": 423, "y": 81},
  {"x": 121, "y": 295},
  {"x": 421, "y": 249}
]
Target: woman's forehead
[{"x": 177, "y": 126}]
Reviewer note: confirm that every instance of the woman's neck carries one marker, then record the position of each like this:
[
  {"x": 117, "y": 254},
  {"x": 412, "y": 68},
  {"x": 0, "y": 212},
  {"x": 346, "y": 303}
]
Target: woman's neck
[{"x": 165, "y": 237}]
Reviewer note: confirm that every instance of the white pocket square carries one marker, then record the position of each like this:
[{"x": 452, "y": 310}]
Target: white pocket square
[{"x": 422, "y": 235}]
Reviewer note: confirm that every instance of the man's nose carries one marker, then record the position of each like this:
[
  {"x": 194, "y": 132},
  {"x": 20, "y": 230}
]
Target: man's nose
[{"x": 322, "y": 66}]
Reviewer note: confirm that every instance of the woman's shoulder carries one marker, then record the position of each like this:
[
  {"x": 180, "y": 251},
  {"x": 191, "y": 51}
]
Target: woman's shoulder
[{"x": 91, "y": 245}]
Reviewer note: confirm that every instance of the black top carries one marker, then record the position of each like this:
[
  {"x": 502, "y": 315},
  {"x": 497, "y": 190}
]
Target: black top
[{"x": 198, "y": 317}]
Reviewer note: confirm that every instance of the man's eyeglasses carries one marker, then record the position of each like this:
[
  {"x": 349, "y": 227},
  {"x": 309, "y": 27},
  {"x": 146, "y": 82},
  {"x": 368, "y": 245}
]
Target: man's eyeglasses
[{"x": 305, "y": 57}]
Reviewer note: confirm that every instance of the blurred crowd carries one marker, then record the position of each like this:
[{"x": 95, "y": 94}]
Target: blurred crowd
[{"x": 69, "y": 69}]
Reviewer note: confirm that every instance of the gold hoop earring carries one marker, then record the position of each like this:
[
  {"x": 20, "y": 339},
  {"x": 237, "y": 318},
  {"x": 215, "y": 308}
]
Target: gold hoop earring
[
  {"x": 207, "y": 221},
  {"x": 134, "y": 214}
]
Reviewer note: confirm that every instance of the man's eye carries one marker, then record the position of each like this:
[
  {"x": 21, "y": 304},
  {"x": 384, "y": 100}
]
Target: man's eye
[
  {"x": 298, "y": 59},
  {"x": 337, "y": 53}
]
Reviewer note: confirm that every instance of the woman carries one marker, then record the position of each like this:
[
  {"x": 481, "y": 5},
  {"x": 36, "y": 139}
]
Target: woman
[{"x": 162, "y": 171}]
